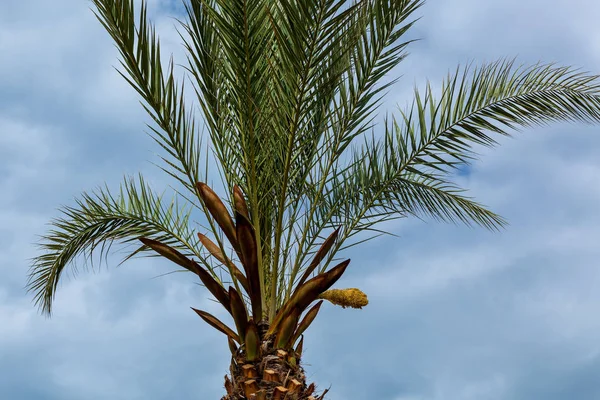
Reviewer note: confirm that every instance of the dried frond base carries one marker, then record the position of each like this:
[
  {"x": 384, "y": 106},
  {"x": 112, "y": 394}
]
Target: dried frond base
[{"x": 275, "y": 375}]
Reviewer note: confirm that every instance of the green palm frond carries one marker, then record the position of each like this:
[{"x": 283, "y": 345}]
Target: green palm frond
[
  {"x": 140, "y": 50},
  {"x": 438, "y": 134},
  {"x": 176, "y": 133},
  {"x": 311, "y": 63},
  {"x": 405, "y": 172},
  {"x": 100, "y": 218},
  {"x": 378, "y": 27},
  {"x": 442, "y": 201}
]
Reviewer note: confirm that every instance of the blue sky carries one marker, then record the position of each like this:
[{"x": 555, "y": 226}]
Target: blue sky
[{"x": 455, "y": 313}]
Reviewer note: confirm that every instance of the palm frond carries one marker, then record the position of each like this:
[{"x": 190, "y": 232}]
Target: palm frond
[
  {"x": 405, "y": 173},
  {"x": 100, "y": 218},
  {"x": 310, "y": 64},
  {"x": 441, "y": 200},
  {"x": 439, "y": 134},
  {"x": 140, "y": 49},
  {"x": 377, "y": 27}
]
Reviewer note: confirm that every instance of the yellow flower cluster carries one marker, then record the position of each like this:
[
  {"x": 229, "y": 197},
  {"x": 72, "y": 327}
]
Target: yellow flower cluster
[{"x": 351, "y": 297}]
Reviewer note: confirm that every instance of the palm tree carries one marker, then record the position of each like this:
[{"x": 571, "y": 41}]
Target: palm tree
[{"x": 285, "y": 87}]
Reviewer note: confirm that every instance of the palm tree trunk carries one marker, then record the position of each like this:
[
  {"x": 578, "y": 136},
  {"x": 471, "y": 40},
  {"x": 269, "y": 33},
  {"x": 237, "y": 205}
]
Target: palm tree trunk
[{"x": 275, "y": 375}]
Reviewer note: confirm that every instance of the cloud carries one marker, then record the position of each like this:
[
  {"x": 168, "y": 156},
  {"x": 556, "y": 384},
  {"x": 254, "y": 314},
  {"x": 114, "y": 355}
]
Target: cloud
[{"x": 455, "y": 313}]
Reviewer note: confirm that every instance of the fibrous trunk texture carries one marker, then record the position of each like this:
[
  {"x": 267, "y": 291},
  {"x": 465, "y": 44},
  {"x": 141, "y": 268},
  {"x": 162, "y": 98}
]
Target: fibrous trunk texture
[{"x": 276, "y": 374}]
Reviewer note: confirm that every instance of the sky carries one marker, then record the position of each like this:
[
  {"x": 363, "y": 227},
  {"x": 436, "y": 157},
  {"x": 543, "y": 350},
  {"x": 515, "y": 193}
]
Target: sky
[{"x": 455, "y": 313}]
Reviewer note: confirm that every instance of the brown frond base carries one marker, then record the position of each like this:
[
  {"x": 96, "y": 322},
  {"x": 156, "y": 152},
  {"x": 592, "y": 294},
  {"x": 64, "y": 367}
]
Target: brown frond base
[{"x": 274, "y": 375}]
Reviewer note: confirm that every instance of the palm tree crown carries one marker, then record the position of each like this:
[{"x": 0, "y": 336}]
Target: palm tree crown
[{"x": 285, "y": 87}]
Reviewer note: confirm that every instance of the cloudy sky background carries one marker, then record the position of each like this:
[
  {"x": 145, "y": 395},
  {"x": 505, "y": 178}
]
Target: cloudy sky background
[{"x": 455, "y": 313}]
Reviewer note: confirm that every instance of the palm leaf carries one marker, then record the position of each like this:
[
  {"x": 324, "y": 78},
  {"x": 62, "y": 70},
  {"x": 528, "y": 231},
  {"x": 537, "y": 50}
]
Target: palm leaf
[
  {"x": 140, "y": 50},
  {"x": 305, "y": 323},
  {"x": 239, "y": 313},
  {"x": 216, "y": 252},
  {"x": 299, "y": 347},
  {"x": 100, "y": 218},
  {"x": 252, "y": 341},
  {"x": 169, "y": 253},
  {"x": 404, "y": 173},
  {"x": 249, "y": 252},
  {"x": 321, "y": 253},
  {"x": 287, "y": 328},
  {"x": 240, "y": 202},
  {"x": 217, "y": 324},
  {"x": 307, "y": 293},
  {"x": 215, "y": 287},
  {"x": 219, "y": 212}
]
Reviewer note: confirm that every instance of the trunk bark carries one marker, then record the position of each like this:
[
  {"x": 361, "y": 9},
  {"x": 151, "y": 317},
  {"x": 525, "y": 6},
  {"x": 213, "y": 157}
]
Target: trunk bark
[{"x": 275, "y": 375}]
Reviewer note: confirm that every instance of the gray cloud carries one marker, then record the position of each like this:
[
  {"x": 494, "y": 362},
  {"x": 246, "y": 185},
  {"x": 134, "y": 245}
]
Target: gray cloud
[{"x": 455, "y": 313}]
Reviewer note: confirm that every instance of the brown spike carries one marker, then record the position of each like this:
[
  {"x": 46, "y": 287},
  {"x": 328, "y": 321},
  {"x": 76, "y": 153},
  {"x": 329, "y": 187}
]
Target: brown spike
[
  {"x": 214, "y": 287},
  {"x": 216, "y": 252},
  {"x": 249, "y": 252},
  {"x": 211, "y": 284},
  {"x": 307, "y": 320},
  {"x": 219, "y": 212},
  {"x": 288, "y": 325},
  {"x": 168, "y": 252},
  {"x": 252, "y": 341},
  {"x": 311, "y": 289},
  {"x": 299, "y": 346},
  {"x": 321, "y": 253},
  {"x": 212, "y": 248},
  {"x": 322, "y": 396},
  {"x": 218, "y": 325},
  {"x": 311, "y": 389},
  {"x": 232, "y": 346},
  {"x": 228, "y": 386},
  {"x": 240, "y": 202},
  {"x": 239, "y": 275},
  {"x": 308, "y": 292},
  {"x": 239, "y": 313}
]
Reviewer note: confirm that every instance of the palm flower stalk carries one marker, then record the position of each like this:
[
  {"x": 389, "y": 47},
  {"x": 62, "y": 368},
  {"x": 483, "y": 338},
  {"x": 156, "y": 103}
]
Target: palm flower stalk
[
  {"x": 351, "y": 297},
  {"x": 285, "y": 87}
]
